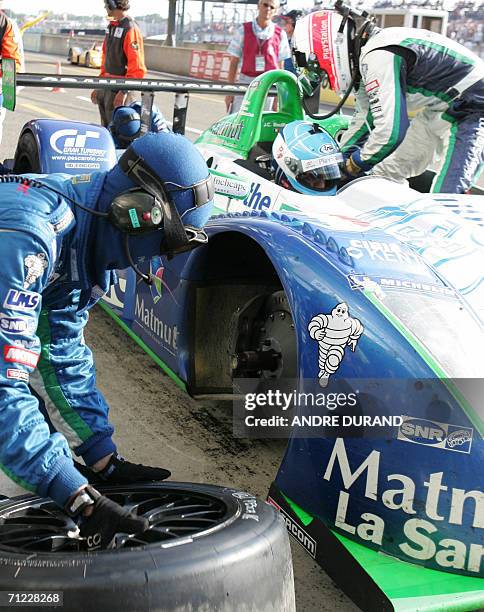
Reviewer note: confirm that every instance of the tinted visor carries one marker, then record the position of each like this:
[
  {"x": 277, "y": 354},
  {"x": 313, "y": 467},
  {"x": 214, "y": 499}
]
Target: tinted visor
[{"x": 320, "y": 179}]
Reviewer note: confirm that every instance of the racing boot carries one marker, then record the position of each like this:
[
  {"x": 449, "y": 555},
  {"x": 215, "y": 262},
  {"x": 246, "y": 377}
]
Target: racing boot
[
  {"x": 118, "y": 471},
  {"x": 101, "y": 519}
]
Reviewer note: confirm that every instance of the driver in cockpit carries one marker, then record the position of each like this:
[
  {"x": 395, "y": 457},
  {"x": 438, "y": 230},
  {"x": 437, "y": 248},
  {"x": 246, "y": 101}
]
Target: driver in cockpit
[{"x": 305, "y": 158}]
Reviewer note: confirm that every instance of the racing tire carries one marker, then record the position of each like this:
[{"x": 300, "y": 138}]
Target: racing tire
[
  {"x": 27, "y": 157},
  {"x": 208, "y": 548},
  {"x": 69, "y": 56},
  {"x": 87, "y": 61}
]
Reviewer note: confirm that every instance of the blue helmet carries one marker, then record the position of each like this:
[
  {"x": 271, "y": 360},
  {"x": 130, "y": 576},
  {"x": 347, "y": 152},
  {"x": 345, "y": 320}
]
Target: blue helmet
[
  {"x": 125, "y": 124},
  {"x": 306, "y": 159}
]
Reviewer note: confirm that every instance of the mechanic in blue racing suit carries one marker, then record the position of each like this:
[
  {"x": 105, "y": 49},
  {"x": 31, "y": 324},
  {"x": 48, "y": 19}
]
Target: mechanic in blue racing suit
[
  {"x": 396, "y": 70},
  {"x": 125, "y": 124},
  {"x": 305, "y": 158},
  {"x": 62, "y": 238}
]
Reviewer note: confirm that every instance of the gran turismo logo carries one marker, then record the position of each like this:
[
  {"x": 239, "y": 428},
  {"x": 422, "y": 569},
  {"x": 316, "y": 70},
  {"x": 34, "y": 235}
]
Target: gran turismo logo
[{"x": 73, "y": 139}]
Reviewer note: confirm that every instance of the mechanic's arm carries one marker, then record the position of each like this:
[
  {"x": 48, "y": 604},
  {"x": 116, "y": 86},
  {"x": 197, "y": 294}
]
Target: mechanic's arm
[
  {"x": 361, "y": 124},
  {"x": 135, "y": 53},
  {"x": 384, "y": 85},
  {"x": 29, "y": 454}
]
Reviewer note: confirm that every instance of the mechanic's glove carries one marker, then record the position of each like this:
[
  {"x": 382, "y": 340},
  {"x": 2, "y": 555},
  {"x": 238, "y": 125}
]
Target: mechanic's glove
[
  {"x": 108, "y": 519},
  {"x": 120, "y": 471},
  {"x": 351, "y": 168}
]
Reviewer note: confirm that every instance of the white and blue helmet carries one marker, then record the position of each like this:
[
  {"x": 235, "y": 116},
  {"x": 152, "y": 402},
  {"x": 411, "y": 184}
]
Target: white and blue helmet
[{"x": 306, "y": 159}]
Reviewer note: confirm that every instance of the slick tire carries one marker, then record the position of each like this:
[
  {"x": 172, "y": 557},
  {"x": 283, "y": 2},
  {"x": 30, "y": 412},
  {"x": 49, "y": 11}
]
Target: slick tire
[
  {"x": 232, "y": 554},
  {"x": 27, "y": 155}
]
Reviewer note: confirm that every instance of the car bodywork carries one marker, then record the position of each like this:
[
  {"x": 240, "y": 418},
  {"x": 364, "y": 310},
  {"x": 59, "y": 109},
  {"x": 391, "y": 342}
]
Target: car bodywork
[
  {"x": 91, "y": 58},
  {"x": 395, "y": 519}
]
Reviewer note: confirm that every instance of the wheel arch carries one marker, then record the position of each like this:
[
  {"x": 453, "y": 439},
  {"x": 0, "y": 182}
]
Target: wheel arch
[{"x": 232, "y": 269}]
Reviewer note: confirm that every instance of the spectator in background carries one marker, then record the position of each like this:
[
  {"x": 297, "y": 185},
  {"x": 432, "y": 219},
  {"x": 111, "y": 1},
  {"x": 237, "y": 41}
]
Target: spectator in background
[
  {"x": 9, "y": 49},
  {"x": 123, "y": 56},
  {"x": 261, "y": 45},
  {"x": 289, "y": 25}
]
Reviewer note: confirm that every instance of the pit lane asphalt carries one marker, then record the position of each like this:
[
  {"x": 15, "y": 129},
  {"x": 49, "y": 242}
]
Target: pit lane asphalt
[{"x": 156, "y": 422}]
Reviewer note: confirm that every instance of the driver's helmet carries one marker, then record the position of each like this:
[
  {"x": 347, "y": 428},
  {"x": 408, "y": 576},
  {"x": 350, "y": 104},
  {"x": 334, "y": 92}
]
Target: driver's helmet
[
  {"x": 318, "y": 45},
  {"x": 306, "y": 159}
]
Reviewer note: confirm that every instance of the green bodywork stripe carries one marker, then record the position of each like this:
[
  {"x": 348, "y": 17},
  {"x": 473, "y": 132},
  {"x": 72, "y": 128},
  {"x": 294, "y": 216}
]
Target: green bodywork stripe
[
  {"x": 409, "y": 586},
  {"x": 448, "y": 157},
  {"x": 51, "y": 383},
  {"x": 429, "y": 360},
  {"x": 305, "y": 518},
  {"x": 392, "y": 142},
  {"x": 440, "y": 48},
  {"x": 145, "y": 347}
]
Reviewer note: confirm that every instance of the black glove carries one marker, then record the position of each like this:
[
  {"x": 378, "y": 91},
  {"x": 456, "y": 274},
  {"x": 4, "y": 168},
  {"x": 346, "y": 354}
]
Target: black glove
[
  {"x": 120, "y": 471},
  {"x": 107, "y": 519}
]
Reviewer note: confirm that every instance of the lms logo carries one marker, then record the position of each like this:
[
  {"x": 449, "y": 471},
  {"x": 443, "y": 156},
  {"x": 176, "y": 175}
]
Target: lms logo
[
  {"x": 438, "y": 435},
  {"x": 24, "y": 301}
]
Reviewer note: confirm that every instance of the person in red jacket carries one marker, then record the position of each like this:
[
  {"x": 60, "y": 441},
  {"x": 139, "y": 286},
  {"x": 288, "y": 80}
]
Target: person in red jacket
[
  {"x": 9, "y": 49},
  {"x": 123, "y": 56},
  {"x": 261, "y": 45}
]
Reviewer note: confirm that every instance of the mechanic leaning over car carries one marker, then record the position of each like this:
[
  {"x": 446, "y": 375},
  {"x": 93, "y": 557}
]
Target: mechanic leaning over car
[
  {"x": 122, "y": 56},
  {"x": 395, "y": 70},
  {"x": 9, "y": 48},
  {"x": 125, "y": 125},
  {"x": 62, "y": 238}
]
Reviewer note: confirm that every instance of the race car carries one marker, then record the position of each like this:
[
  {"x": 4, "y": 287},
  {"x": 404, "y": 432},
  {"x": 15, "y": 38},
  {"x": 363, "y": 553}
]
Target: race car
[
  {"x": 91, "y": 58},
  {"x": 364, "y": 312}
]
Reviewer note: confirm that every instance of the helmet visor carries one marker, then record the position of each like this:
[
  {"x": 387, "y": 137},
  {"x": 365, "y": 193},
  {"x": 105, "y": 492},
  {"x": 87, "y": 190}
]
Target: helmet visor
[{"x": 323, "y": 177}]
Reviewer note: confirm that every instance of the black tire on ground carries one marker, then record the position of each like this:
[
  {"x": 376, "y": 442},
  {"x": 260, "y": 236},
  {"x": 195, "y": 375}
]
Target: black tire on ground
[
  {"x": 87, "y": 61},
  {"x": 69, "y": 56},
  {"x": 208, "y": 548},
  {"x": 26, "y": 155}
]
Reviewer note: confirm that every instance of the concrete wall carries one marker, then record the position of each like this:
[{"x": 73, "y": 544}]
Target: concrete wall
[{"x": 174, "y": 60}]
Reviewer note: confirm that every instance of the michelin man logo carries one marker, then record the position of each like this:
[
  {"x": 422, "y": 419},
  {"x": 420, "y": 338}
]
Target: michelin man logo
[
  {"x": 35, "y": 264},
  {"x": 334, "y": 332}
]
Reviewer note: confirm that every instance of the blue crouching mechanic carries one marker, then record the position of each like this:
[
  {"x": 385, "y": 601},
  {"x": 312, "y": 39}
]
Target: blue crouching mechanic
[{"x": 62, "y": 238}]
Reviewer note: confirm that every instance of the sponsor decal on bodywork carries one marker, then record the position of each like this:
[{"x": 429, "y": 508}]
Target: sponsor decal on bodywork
[
  {"x": 436, "y": 434},
  {"x": 392, "y": 252},
  {"x": 17, "y": 354},
  {"x": 363, "y": 281},
  {"x": 306, "y": 541},
  {"x": 333, "y": 332},
  {"x": 24, "y": 301},
  {"x": 75, "y": 149},
  {"x": 428, "y": 510}
]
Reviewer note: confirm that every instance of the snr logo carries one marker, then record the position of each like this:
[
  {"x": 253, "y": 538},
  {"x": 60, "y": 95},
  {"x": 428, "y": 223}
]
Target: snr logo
[{"x": 422, "y": 431}]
